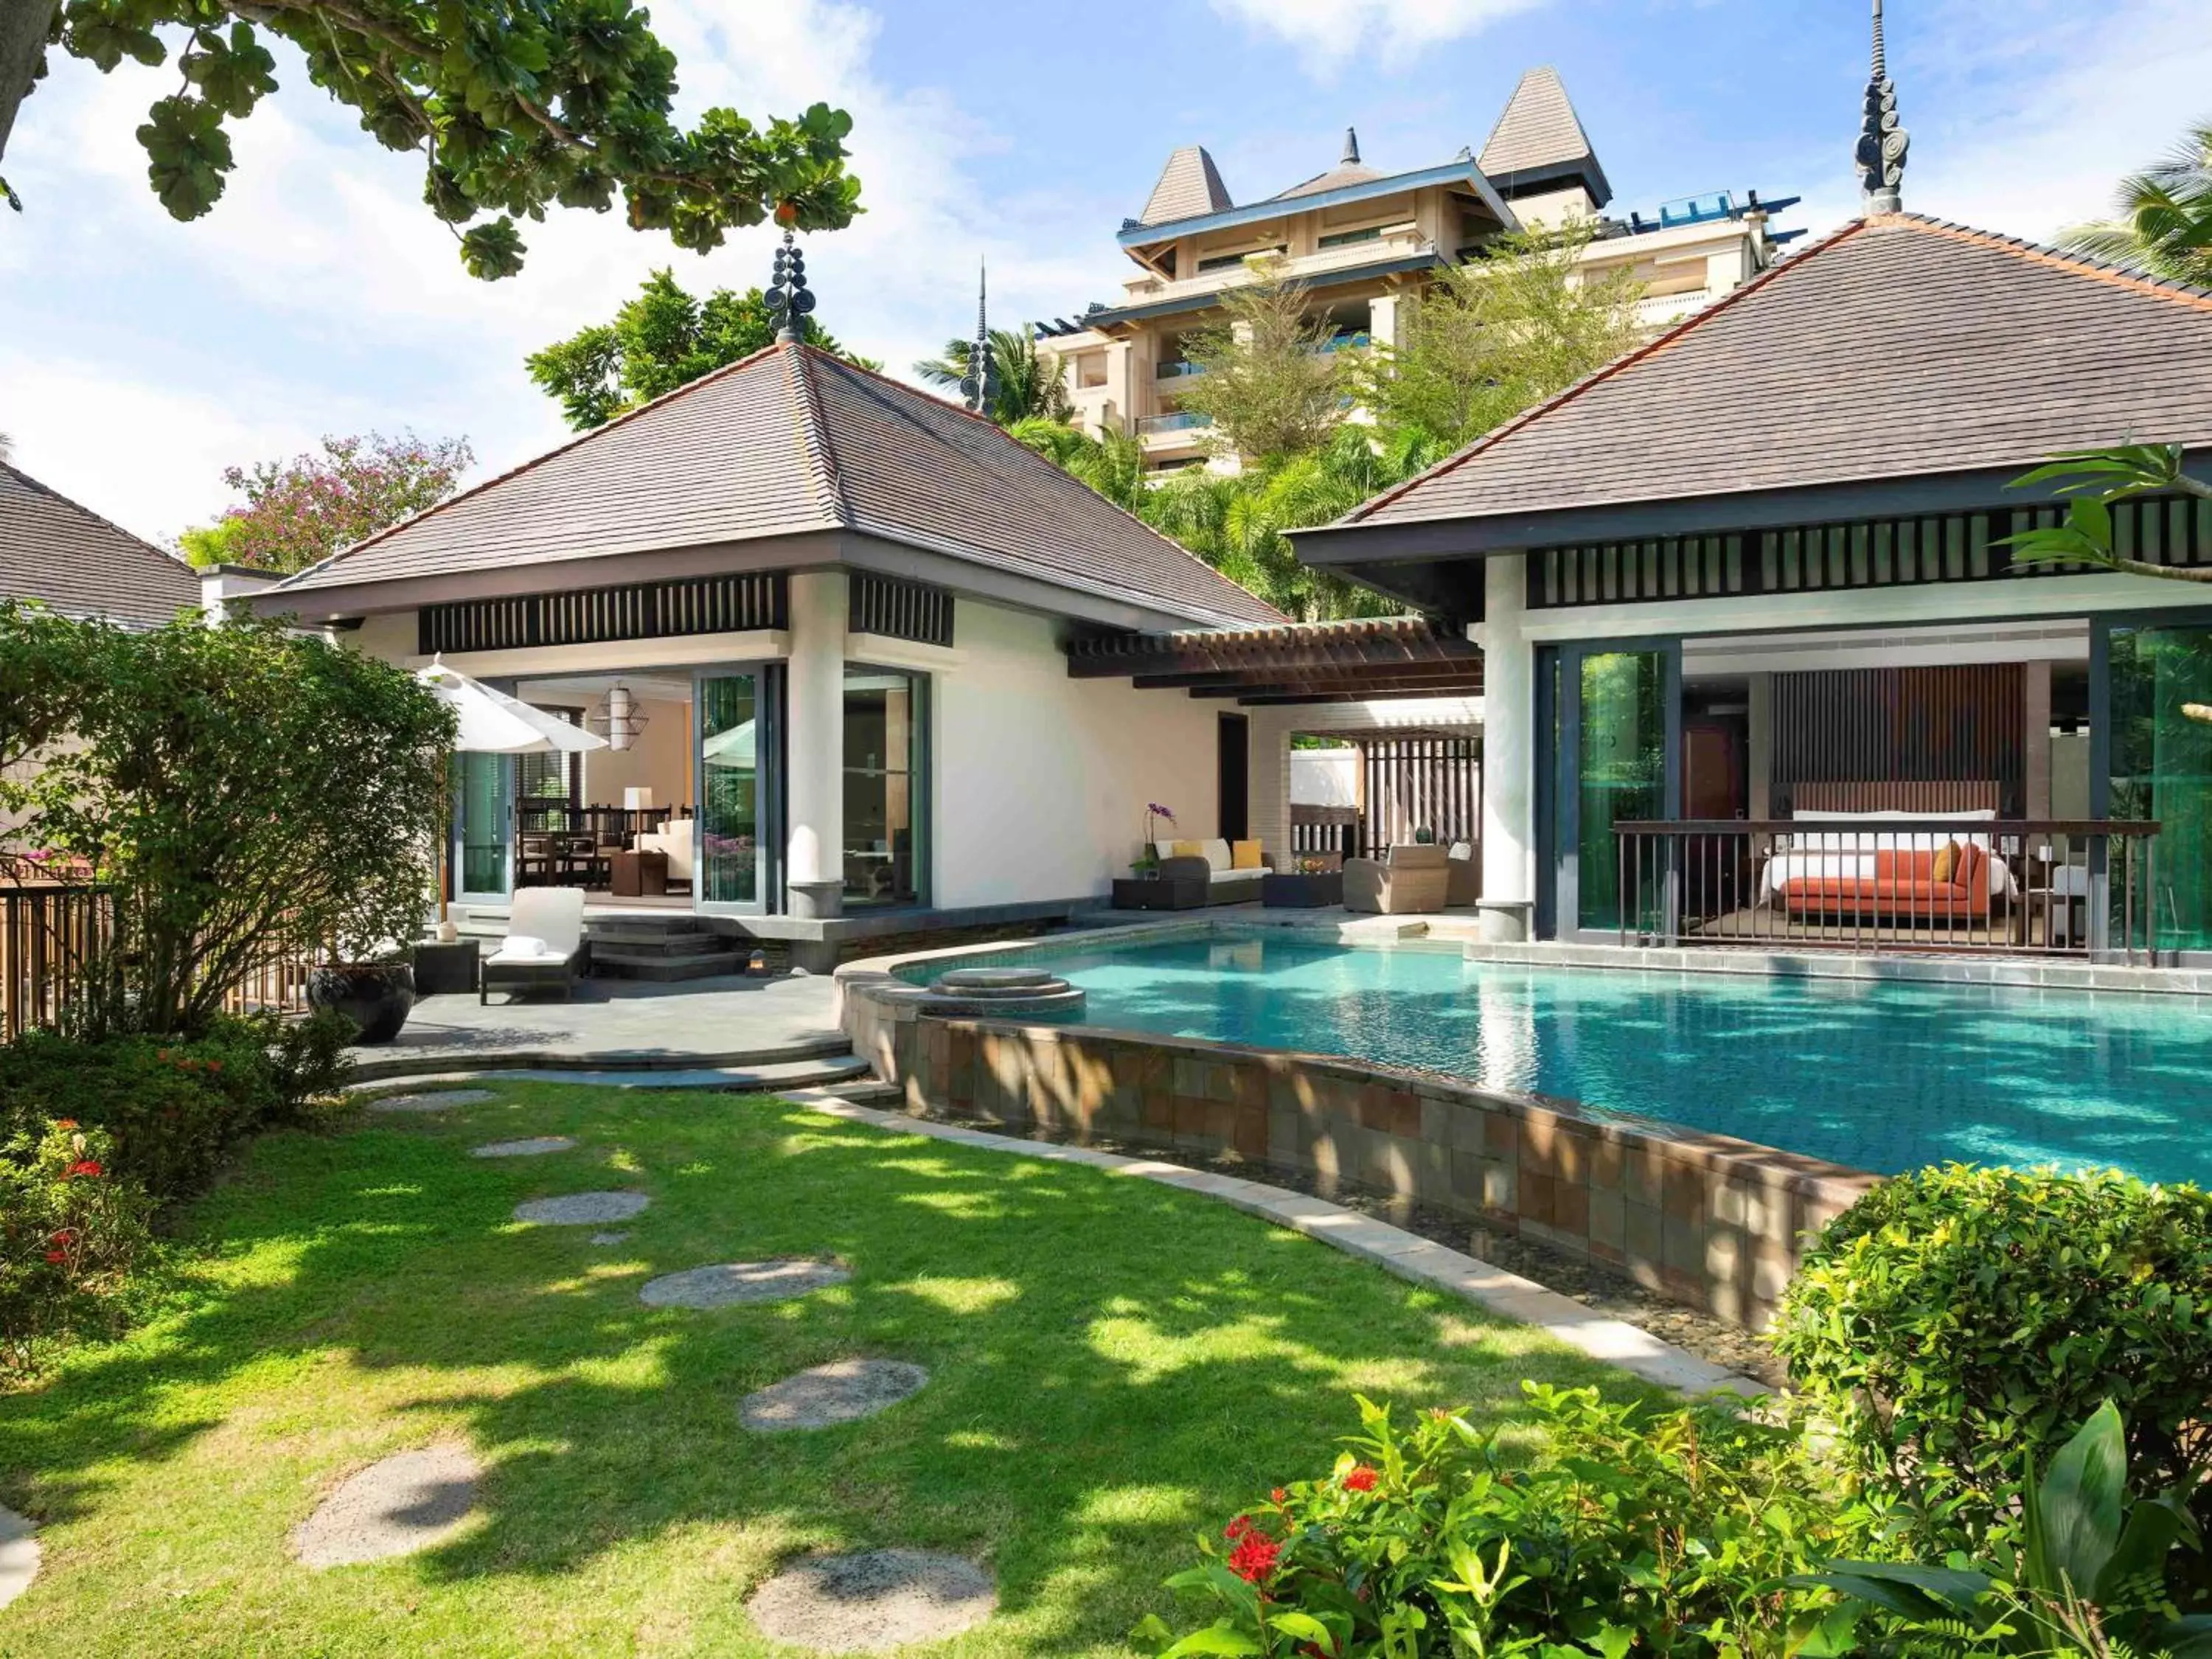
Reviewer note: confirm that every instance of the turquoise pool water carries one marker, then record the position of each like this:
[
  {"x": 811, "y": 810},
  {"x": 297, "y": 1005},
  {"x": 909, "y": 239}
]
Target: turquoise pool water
[{"x": 1878, "y": 1075}]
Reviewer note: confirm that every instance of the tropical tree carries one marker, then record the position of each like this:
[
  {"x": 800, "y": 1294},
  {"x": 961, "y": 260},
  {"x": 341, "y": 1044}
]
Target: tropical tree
[
  {"x": 1498, "y": 336},
  {"x": 1267, "y": 377},
  {"x": 302, "y": 510},
  {"x": 2090, "y": 481},
  {"x": 1025, "y": 383},
  {"x": 1112, "y": 463},
  {"x": 2162, "y": 217},
  {"x": 515, "y": 109},
  {"x": 658, "y": 341}
]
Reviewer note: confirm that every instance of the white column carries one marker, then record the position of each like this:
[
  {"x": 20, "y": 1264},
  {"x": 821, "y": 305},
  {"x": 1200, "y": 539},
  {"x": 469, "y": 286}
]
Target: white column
[
  {"x": 1382, "y": 319},
  {"x": 1509, "y": 751},
  {"x": 814, "y": 791}
]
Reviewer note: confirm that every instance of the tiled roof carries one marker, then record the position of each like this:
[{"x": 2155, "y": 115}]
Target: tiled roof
[
  {"x": 1539, "y": 129},
  {"x": 1335, "y": 178},
  {"x": 1190, "y": 184},
  {"x": 70, "y": 557},
  {"x": 789, "y": 441},
  {"x": 1899, "y": 346}
]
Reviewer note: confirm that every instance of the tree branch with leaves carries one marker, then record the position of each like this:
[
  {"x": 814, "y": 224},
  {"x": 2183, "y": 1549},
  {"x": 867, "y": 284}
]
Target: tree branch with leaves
[
  {"x": 515, "y": 110},
  {"x": 2092, "y": 482}
]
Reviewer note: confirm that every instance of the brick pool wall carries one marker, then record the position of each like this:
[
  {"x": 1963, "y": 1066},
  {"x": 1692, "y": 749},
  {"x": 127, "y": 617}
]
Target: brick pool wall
[{"x": 1707, "y": 1220}]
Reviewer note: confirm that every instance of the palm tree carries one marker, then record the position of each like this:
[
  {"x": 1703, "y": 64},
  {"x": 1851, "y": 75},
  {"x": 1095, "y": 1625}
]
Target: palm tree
[
  {"x": 2164, "y": 222},
  {"x": 1027, "y": 382}
]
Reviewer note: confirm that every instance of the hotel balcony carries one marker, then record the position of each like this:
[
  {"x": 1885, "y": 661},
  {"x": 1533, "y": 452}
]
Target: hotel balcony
[{"x": 1172, "y": 426}]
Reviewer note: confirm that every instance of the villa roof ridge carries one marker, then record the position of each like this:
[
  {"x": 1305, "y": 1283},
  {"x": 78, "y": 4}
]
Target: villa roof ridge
[
  {"x": 817, "y": 452},
  {"x": 2087, "y": 264}
]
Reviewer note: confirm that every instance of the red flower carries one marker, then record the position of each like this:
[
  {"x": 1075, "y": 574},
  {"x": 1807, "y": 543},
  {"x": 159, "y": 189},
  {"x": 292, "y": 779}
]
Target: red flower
[
  {"x": 1277, "y": 1496},
  {"x": 66, "y": 1123},
  {"x": 1236, "y": 1529},
  {"x": 56, "y": 1256},
  {"x": 213, "y": 1067},
  {"x": 1359, "y": 1478},
  {"x": 1255, "y": 1557},
  {"x": 66, "y": 1235},
  {"x": 84, "y": 1166}
]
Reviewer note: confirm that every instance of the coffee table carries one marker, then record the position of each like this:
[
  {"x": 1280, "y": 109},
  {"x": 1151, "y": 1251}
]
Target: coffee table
[
  {"x": 638, "y": 875},
  {"x": 1285, "y": 891}
]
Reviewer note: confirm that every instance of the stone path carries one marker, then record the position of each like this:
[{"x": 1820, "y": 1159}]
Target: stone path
[
  {"x": 432, "y": 1103},
  {"x": 18, "y": 1555},
  {"x": 873, "y": 1602},
  {"x": 409, "y": 1502},
  {"x": 732, "y": 1283},
  {"x": 843, "y": 1391},
  {"x": 579, "y": 1209},
  {"x": 536, "y": 1146}
]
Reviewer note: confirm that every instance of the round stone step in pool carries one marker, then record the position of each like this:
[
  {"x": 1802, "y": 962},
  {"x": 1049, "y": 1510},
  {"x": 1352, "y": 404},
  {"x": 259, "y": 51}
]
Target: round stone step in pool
[{"x": 997, "y": 982}]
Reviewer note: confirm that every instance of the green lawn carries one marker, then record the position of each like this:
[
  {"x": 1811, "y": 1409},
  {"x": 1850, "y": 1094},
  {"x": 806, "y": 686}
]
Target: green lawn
[{"x": 1115, "y": 1365}]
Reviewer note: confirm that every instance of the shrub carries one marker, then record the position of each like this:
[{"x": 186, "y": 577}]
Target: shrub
[
  {"x": 173, "y": 1108},
  {"x": 1638, "y": 1529},
  {"x": 70, "y": 1228},
  {"x": 1956, "y": 1318}
]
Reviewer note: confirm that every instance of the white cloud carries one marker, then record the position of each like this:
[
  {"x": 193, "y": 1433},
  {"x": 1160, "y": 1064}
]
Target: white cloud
[
  {"x": 1330, "y": 34},
  {"x": 321, "y": 297},
  {"x": 2026, "y": 128}
]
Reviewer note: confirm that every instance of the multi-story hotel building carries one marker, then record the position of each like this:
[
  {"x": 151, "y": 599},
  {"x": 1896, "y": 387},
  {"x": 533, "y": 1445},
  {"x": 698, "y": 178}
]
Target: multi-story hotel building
[{"x": 1359, "y": 241}]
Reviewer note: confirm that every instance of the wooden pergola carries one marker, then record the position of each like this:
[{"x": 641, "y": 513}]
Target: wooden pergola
[{"x": 1357, "y": 661}]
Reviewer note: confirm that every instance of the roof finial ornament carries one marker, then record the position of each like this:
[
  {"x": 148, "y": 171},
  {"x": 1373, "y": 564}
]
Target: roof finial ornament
[
  {"x": 1882, "y": 142},
  {"x": 789, "y": 300},
  {"x": 1351, "y": 148},
  {"x": 979, "y": 387}
]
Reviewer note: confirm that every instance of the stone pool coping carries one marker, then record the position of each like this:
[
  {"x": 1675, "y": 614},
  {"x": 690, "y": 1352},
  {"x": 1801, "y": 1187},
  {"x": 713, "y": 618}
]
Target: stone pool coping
[
  {"x": 1406, "y": 1255},
  {"x": 1710, "y": 1220}
]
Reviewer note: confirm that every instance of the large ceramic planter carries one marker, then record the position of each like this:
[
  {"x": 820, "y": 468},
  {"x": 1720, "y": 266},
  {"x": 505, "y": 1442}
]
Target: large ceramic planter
[{"x": 375, "y": 996}]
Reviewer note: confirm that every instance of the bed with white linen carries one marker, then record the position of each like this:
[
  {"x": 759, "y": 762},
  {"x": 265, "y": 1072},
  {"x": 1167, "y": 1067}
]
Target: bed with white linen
[{"x": 1846, "y": 844}]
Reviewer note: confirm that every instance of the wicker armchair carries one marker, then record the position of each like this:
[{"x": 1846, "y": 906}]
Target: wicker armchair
[{"x": 1414, "y": 880}]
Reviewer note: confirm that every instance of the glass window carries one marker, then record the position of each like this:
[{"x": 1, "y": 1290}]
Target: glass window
[
  {"x": 483, "y": 787},
  {"x": 729, "y": 804},
  {"x": 885, "y": 860},
  {"x": 1624, "y": 769},
  {"x": 2162, "y": 770}
]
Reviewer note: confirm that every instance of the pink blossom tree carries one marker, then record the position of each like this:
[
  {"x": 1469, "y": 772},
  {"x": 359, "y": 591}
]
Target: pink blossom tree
[{"x": 299, "y": 511}]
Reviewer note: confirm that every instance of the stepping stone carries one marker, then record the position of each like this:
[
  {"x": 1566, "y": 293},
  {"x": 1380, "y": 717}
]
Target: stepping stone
[
  {"x": 409, "y": 1502},
  {"x": 432, "y": 1103},
  {"x": 609, "y": 1238},
  {"x": 18, "y": 1555},
  {"x": 873, "y": 1602},
  {"x": 578, "y": 1209},
  {"x": 829, "y": 1394},
  {"x": 732, "y": 1282},
  {"x": 536, "y": 1146}
]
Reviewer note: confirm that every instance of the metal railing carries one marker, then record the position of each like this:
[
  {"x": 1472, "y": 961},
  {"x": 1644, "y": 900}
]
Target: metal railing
[
  {"x": 1180, "y": 421},
  {"x": 1177, "y": 371},
  {"x": 2082, "y": 889}
]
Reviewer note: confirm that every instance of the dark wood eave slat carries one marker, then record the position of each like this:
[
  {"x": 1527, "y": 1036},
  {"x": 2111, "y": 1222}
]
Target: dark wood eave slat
[{"x": 1348, "y": 648}]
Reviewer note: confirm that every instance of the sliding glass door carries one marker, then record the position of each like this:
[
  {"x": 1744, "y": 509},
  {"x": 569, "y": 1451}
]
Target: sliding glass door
[
  {"x": 484, "y": 827},
  {"x": 1615, "y": 736},
  {"x": 2156, "y": 731},
  {"x": 886, "y": 856},
  {"x": 732, "y": 858}
]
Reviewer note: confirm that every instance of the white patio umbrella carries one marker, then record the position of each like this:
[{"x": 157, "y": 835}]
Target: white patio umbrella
[{"x": 492, "y": 723}]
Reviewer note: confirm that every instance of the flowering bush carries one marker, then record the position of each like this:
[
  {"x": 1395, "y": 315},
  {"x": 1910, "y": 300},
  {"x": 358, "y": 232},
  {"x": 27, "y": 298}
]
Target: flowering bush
[
  {"x": 69, "y": 1230},
  {"x": 1637, "y": 1530},
  {"x": 172, "y": 1108}
]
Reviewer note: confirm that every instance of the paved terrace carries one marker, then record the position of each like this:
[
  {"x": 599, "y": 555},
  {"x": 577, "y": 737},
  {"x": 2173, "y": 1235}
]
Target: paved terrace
[{"x": 691, "y": 1024}]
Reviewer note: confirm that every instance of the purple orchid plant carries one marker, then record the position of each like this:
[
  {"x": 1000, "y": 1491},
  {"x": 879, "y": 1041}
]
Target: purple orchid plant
[{"x": 1147, "y": 858}]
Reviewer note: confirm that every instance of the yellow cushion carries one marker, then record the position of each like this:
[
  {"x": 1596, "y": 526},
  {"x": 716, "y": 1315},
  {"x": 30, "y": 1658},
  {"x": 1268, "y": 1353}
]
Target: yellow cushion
[
  {"x": 1244, "y": 855},
  {"x": 1946, "y": 861},
  {"x": 1187, "y": 849}
]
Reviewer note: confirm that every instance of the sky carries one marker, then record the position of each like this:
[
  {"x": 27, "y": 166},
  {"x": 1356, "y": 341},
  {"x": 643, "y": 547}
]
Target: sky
[{"x": 139, "y": 357}]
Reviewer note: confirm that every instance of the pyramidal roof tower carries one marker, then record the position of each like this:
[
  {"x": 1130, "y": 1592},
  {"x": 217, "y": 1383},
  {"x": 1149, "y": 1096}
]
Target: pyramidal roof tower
[
  {"x": 1882, "y": 142},
  {"x": 1190, "y": 184},
  {"x": 1539, "y": 143}
]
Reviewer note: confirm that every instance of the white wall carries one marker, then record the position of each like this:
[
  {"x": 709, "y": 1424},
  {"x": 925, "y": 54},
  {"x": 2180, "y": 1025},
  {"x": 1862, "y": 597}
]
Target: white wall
[
  {"x": 1039, "y": 780},
  {"x": 660, "y": 760},
  {"x": 1325, "y": 777}
]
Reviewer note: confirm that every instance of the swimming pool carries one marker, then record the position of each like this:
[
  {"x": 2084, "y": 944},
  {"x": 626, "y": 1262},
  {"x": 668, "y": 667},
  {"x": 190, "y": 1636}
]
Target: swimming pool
[{"x": 1876, "y": 1075}]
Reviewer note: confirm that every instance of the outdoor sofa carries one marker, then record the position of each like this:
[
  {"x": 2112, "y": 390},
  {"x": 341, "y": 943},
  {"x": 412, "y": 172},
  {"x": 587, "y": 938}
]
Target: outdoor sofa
[
  {"x": 1415, "y": 879},
  {"x": 1215, "y": 863}
]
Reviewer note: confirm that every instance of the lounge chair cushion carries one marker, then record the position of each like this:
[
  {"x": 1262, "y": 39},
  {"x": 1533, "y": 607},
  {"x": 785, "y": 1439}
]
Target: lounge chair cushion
[
  {"x": 1187, "y": 849},
  {"x": 1218, "y": 854}
]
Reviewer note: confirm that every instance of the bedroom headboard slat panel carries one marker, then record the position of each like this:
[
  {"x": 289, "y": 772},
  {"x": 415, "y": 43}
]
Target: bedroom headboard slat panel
[
  {"x": 1933, "y": 796},
  {"x": 1959, "y": 730}
]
